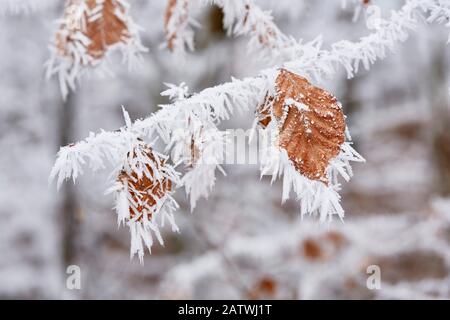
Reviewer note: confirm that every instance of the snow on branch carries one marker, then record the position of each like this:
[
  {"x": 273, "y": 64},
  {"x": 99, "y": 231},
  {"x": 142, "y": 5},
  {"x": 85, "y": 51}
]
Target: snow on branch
[
  {"x": 89, "y": 30},
  {"x": 350, "y": 55},
  {"x": 267, "y": 41},
  {"x": 244, "y": 17},
  {"x": 308, "y": 144},
  {"x": 248, "y": 19},
  {"x": 440, "y": 13},
  {"x": 241, "y": 18}
]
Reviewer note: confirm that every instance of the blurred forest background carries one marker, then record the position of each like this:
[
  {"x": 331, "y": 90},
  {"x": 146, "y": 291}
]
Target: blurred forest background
[{"x": 240, "y": 243}]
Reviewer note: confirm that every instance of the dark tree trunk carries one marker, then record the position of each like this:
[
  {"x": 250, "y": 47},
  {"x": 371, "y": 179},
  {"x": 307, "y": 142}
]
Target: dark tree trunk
[
  {"x": 69, "y": 204},
  {"x": 440, "y": 125},
  {"x": 351, "y": 102}
]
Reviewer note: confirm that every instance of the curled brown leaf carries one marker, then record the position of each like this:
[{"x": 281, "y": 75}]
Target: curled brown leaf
[
  {"x": 104, "y": 31},
  {"x": 310, "y": 122},
  {"x": 145, "y": 190}
]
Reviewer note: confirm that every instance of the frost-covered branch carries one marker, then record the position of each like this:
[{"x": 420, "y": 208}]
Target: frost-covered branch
[
  {"x": 440, "y": 13},
  {"x": 244, "y": 17},
  {"x": 241, "y": 18},
  {"x": 308, "y": 142}
]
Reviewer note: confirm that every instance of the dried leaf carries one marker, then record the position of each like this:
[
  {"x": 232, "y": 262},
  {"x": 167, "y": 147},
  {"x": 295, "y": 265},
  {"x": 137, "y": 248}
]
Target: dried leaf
[
  {"x": 312, "y": 250},
  {"x": 323, "y": 247},
  {"x": 145, "y": 190},
  {"x": 265, "y": 287},
  {"x": 103, "y": 28},
  {"x": 310, "y": 122}
]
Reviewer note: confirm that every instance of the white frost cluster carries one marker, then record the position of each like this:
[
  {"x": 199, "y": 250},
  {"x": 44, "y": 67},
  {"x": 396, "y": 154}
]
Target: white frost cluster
[
  {"x": 179, "y": 26},
  {"x": 315, "y": 197},
  {"x": 245, "y": 18}
]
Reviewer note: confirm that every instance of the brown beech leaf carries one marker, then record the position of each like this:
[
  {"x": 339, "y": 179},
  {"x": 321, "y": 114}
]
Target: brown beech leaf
[
  {"x": 103, "y": 32},
  {"x": 265, "y": 287},
  {"x": 312, "y": 249},
  {"x": 310, "y": 122},
  {"x": 147, "y": 189},
  {"x": 323, "y": 247}
]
